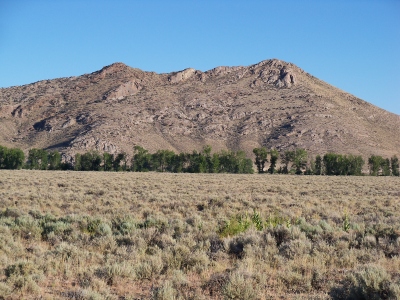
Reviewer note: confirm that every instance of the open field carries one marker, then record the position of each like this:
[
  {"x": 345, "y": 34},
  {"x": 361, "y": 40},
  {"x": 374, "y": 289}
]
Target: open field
[{"x": 103, "y": 235}]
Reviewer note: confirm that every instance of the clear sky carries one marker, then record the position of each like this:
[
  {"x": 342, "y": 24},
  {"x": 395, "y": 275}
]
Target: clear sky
[{"x": 351, "y": 44}]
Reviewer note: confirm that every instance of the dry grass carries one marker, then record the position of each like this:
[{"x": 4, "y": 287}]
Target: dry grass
[{"x": 97, "y": 235}]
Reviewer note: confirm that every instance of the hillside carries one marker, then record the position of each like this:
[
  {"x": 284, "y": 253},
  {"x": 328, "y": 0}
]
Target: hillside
[{"x": 272, "y": 103}]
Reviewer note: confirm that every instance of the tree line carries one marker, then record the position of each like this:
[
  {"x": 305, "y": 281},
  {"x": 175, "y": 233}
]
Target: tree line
[
  {"x": 225, "y": 161},
  {"x": 296, "y": 162},
  {"x": 167, "y": 161},
  {"x": 291, "y": 162},
  {"x": 11, "y": 158}
]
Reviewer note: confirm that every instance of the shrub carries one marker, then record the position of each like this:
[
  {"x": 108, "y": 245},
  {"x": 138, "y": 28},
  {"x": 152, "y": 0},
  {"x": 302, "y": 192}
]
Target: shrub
[
  {"x": 237, "y": 245},
  {"x": 165, "y": 292},
  {"x": 24, "y": 284},
  {"x": 369, "y": 241},
  {"x": 294, "y": 248},
  {"x": 240, "y": 286},
  {"x": 12, "y": 213},
  {"x": 198, "y": 261},
  {"x": 297, "y": 282},
  {"x": 67, "y": 253},
  {"x": 214, "y": 286},
  {"x": 179, "y": 278},
  {"x": 5, "y": 291},
  {"x": 23, "y": 268},
  {"x": 58, "y": 228},
  {"x": 181, "y": 257},
  {"x": 89, "y": 294},
  {"x": 95, "y": 227},
  {"x": 149, "y": 268},
  {"x": 23, "y": 276},
  {"x": 110, "y": 272},
  {"x": 123, "y": 226},
  {"x": 369, "y": 282},
  {"x": 281, "y": 234},
  {"x": 318, "y": 279},
  {"x": 27, "y": 227}
]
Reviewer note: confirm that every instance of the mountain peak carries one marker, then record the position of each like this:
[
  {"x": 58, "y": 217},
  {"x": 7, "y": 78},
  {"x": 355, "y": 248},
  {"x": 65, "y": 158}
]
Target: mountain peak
[
  {"x": 113, "y": 68},
  {"x": 272, "y": 103}
]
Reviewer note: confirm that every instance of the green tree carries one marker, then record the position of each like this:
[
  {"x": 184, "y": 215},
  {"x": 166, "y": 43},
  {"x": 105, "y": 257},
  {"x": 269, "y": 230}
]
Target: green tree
[
  {"x": 108, "y": 161},
  {"x": 355, "y": 165},
  {"x": 119, "y": 162},
  {"x": 331, "y": 164},
  {"x": 12, "y": 158},
  {"x": 3, "y": 155},
  {"x": 274, "y": 155},
  {"x": 300, "y": 160},
  {"x": 394, "y": 165},
  {"x": 90, "y": 161},
  {"x": 197, "y": 163},
  {"x": 96, "y": 160},
  {"x": 240, "y": 162},
  {"x": 178, "y": 163},
  {"x": 66, "y": 166},
  {"x": 318, "y": 165},
  {"x": 207, "y": 154},
  {"x": 54, "y": 160},
  {"x": 385, "y": 166},
  {"x": 375, "y": 163},
  {"x": 342, "y": 165},
  {"x": 86, "y": 162},
  {"x": 226, "y": 162},
  {"x": 215, "y": 165},
  {"x": 235, "y": 162},
  {"x": 247, "y": 166},
  {"x": 33, "y": 159},
  {"x": 37, "y": 159},
  {"x": 77, "y": 163},
  {"x": 261, "y": 158},
  {"x": 287, "y": 157},
  {"x": 162, "y": 160},
  {"x": 125, "y": 162},
  {"x": 141, "y": 160}
]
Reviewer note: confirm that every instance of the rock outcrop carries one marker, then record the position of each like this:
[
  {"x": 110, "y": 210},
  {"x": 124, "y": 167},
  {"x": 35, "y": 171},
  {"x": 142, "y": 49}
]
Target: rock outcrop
[
  {"x": 181, "y": 75},
  {"x": 126, "y": 89}
]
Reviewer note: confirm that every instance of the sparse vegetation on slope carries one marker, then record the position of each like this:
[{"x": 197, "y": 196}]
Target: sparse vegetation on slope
[
  {"x": 93, "y": 235},
  {"x": 272, "y": 104}
]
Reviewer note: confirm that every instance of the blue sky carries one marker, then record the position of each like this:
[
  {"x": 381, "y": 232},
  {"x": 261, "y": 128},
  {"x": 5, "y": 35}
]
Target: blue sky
[{"x": 351, "y": 44}]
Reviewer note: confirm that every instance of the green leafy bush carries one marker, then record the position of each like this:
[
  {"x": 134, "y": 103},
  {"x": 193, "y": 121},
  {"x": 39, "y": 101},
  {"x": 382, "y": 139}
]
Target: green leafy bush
[{"x": 234, "y": 226}]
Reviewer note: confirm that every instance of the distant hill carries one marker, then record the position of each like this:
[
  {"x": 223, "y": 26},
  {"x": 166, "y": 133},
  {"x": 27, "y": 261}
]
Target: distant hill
[{"x": 272, "y": 103}]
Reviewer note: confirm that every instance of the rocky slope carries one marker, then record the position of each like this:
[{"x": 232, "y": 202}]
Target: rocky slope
[{"x": 272, "y": 103}]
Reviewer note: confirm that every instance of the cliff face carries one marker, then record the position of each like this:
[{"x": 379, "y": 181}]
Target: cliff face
[{"x": 272, "y": 103}]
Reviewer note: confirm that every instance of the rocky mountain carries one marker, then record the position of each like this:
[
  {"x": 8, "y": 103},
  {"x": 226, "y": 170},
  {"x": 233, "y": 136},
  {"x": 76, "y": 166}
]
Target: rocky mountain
[{"x": 272, "y": 103}]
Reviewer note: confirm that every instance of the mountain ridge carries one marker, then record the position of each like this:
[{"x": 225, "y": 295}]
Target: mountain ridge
[{"x": 272, "y": 103}]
